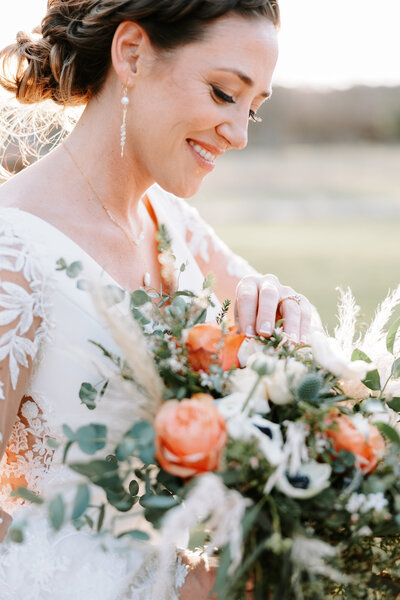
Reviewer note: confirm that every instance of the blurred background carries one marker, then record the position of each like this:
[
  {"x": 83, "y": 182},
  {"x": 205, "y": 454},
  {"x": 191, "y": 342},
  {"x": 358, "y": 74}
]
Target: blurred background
[{"x": 315, "y": 198}]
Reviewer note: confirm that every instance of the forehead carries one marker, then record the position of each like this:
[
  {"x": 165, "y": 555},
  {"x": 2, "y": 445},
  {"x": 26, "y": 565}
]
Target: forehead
[{"x": 247, "y": 44}]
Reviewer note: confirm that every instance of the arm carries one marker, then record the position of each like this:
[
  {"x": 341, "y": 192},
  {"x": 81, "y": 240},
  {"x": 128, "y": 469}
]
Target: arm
[{"x": 21, "y": 329}]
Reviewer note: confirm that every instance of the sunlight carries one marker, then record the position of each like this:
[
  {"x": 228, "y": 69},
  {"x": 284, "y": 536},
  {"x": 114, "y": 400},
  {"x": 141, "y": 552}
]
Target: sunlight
[{"x": 324, "y": 43}]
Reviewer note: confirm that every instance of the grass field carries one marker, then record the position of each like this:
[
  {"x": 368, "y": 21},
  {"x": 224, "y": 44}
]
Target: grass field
[{"x": 338, "y": 226}]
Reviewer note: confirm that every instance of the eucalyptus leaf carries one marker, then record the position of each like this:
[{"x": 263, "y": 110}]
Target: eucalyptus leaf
[
  {"x": 373, "y": 380},
  {"x": 84, "y": 285},
  {"x": 100, "y": 520},
  {"x": 391, "y": 336},
  {"x": 113, "y": 294},
  {"x": 81, "y": 502},
  {"x": 23, "y": 492},
  {"x": 136, "y": 535},
  {"x": 394, "y": 404},
  {"x": 360, "y": 355},
  {"x": 57, "y": 512},
  {"x": 88, "y": 395},
  {"x": 396, "y": 368},
  {"x": 16, "y": 535},
  {"x": 100, "y": 472},
  {"x": 143, "y": 431},
  {"x": 126, "y": 448},
  {"x": 120, "y": 499},
  {"x": 133, "y": 488},
  {"x": 92, "y": 438},
  {"x": 388, "y": 432},
  {"x": 52, "y": 443},
  {"x": 69, "y": 433},
  {"x": 61, "y": 264},
  {"x": 139, "y": 298},
  {"x": 140, "y": 317},
  {"x": 147, "y": 454},
  {"x": 162, "y": 502},
  {"x": 74, "y": 269}
]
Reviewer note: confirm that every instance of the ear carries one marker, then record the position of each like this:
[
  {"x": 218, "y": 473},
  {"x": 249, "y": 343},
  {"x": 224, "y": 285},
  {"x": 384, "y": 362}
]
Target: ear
[{"x": 129, "y": 44}]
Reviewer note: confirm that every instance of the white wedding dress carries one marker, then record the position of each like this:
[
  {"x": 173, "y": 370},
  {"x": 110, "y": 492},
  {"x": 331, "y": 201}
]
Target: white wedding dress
[{"x": 72, "y": 564}]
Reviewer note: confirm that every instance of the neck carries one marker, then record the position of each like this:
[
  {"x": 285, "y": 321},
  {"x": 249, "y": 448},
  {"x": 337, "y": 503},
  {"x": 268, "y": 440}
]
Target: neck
[{"x": 120, "y": 182}]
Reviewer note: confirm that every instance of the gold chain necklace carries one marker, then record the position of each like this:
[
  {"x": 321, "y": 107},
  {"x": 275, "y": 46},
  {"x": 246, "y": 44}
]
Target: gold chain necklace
[{"x": 131, "y": 239}]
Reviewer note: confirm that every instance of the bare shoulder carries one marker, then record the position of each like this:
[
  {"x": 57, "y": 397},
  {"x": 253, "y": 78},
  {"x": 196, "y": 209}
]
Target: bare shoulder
[{"x": 35, "y": 188}]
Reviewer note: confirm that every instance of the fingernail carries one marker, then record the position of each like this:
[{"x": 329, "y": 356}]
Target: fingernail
[
  {"x": 293, "y": 336},
  {"x": 304, "y": 339},
  {"x": 266, "y": 328},
  {"x": 250, "y": 332}
]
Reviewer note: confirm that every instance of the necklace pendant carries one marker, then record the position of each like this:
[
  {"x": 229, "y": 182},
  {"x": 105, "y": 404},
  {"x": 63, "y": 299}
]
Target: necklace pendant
[{"x": 147, "y": 279}]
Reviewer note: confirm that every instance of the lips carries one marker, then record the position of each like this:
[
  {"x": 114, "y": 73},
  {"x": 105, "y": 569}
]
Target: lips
[{"x": 206, "y": 154}]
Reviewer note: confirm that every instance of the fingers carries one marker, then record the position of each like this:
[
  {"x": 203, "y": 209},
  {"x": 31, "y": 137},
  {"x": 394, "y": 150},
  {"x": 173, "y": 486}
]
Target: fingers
[
  {"x": 262, "y": 300},
  {"x": 247, "y": 305},
  {"x": 306, "y": 317},
  {"x": 267, "y": 306},
  {"x": 296, "y": 316},
  {"x": 291, "y": 314}
]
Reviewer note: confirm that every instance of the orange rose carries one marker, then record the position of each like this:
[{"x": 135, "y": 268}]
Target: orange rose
[
  {"x": 206, "y": 342},
  {"x": 346, "y": 436},
  {"x": 190, "y": 436}
]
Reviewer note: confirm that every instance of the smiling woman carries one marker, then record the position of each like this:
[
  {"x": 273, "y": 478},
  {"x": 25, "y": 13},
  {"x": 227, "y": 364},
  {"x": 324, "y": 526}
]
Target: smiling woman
[{"x": 167, "y": 88}]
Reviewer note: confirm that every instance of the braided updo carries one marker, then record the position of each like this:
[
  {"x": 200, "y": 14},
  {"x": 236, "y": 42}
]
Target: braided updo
[{"x": 69, "y": 61}]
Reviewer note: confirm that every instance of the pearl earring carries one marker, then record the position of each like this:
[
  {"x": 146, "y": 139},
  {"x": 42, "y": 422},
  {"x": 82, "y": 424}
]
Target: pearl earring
[{"x": 124, "y": 102}]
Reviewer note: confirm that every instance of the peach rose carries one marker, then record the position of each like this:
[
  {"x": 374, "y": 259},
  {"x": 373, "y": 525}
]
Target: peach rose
[
  {"x": 206, "y": 341},
  {"x": 367, "y": 446},
  {"x": 190, "y": 436}
]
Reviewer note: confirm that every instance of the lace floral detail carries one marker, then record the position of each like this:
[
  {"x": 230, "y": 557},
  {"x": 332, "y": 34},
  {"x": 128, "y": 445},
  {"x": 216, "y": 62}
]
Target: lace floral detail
[
  {"x": 18, "y": 304},
  {"x": 27, "y": 456},
  {"x": 203, "y": 240}
]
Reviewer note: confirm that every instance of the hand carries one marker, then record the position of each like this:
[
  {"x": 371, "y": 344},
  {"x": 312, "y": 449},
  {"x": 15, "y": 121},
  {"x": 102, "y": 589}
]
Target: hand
[{"x": 260, "y": 302}]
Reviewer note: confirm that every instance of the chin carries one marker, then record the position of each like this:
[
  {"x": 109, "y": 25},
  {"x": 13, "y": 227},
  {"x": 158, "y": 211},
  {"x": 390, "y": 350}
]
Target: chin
[{"x": 182, "y": 189}]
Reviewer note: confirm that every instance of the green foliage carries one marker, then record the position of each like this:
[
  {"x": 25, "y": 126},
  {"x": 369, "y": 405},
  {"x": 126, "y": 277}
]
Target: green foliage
[
  {"x": 91, "y": 438},
  {"x": 81, "y": 502},
  {"x": 72, "y": 270},
  {"x": 360, "y": 355},
  {"x": 373, "y": 380},
  {"x": 57, "y": 512},
  {"x": 28, "y": 495},
  {"x": 391, "y": 336},
  {"x": 88, "y": 395}
]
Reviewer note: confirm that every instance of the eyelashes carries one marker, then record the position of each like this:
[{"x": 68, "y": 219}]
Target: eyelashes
[
  {"x": 255, "y": 118},
  {"x": 229, "y": 99}
]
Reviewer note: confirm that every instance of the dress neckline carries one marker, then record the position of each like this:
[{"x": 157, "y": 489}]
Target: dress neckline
[{"x": 149, "y": 202}]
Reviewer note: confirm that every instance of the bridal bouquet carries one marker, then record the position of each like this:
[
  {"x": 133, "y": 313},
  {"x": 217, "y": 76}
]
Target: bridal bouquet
[{"x": 280, "y": 460}]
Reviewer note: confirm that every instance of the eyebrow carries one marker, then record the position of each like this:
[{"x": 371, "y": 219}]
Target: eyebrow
[{"x": 245, "y": 78}]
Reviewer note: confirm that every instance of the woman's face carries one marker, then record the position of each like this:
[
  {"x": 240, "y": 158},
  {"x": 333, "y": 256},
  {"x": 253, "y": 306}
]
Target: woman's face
[{"x": 194, "y": 104}]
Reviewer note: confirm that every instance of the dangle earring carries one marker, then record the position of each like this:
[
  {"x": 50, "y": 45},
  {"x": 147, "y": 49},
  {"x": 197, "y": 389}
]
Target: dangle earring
[{"x": 124, "y": 102}]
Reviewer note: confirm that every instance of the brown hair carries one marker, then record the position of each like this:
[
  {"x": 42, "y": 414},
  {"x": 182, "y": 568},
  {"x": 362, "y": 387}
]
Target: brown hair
[{"x": 69, "y": 62}]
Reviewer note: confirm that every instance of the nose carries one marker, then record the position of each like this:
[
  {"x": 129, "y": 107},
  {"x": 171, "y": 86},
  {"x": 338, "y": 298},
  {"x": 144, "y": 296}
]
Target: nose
[{"x": 234, "y": 132}]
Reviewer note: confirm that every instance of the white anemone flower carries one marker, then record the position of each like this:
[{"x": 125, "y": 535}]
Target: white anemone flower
[
  {"x": 311, "y": 478},
  {"x": 255, "y": 428},
  {"x": 328, "y": 353}
]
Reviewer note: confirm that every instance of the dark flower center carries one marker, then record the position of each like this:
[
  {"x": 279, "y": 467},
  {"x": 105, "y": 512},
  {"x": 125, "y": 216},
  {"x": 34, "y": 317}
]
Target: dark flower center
[{"x": 298, "y": 481}]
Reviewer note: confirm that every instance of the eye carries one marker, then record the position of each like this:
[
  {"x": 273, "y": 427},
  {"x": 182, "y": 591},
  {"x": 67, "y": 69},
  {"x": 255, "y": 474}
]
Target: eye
[
  {"x": 222, "y": 96},
  {"x": 253, "y": 117}
]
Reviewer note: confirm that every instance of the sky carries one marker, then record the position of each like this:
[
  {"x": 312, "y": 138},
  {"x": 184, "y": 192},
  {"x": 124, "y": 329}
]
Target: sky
[{"x": 323, "y": 43}]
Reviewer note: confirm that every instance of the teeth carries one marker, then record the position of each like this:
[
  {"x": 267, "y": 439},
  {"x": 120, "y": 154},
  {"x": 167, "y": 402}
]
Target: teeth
[{"x": 207, "y": 155}]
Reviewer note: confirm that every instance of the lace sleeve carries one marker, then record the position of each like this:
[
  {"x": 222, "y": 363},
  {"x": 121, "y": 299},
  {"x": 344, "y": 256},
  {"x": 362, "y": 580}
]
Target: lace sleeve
[
  {"x": 23, "y": 325},
  {"x": 210, "y": 252}
]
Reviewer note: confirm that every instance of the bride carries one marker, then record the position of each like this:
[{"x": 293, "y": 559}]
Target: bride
[{"x": 168, "y": 87}]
